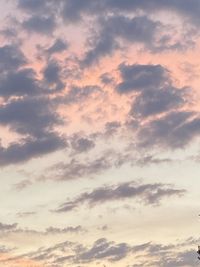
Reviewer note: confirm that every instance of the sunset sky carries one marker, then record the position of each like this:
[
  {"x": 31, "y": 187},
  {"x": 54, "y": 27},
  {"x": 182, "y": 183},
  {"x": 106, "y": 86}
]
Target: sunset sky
[{"x": 100, "y": 133}]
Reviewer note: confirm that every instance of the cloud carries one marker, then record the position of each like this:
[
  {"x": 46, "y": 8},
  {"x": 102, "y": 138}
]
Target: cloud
[
  {"x": 70, "y": 229},
  {"x": 149, "y": 194},
  {"x": 181, "y": 7},
  {"x": 31, "y": 5},
  {"x": 76, "y": 169},
  {"x": 32, "y": 116},
  {"x": 78, "y": 94},
  {"x": 19, "y": 83},
  {"x": 52, "y": 74},
  {"x": 57, "y": 47},
  {"x": 8, "y": 227},
  {"x": 174, "y": 130},
  {"x": 106, "y": 78},
  {"x": 40, "y": 24},
  {"x": 11, "y": 58},
  {"x": 81, "y": 144},
  {"x": 136, "y": 77},
  {"x": 79, "y": 168},
  {"x": 158, "y": 100},
  {"x": 30, "y": 148},
  {"x": 74, "y": 10},
  {"x": 111, "y": 128},
  {"x": 22, "y": 185},
  {"x": 136, "y": 30},
  {"x": 103, "y": 249}
]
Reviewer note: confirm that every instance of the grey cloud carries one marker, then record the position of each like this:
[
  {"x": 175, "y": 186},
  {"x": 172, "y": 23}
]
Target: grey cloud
[
  {"x": 40, "y": 24},
  {"x": 58, "y": 46},
  {"x": 81, "y": 144},
  {"x": 91, "y": 167},
  {"x": 52, "y": 75},
  {"x": 49, "y": 253},
  {"x": 111, "y": 128},
  {"x": 186, "y": 258},
  {"x": 104, "y": 45},
  {"x": 29, "y": 115},
  {"x": 168, "y": 256},
  {"x": 73, "y": 10},
  {"x": 31, "y": 5},
  {"x": 76, "y": 169},
  {"x": 149, "y": 194},
  {"x": 78, "y": 94},
  {"x": 8, "y": 227},
  {"x": 102, "y": 249},
  {"x": 174, "y": 130},
  {"x": 19, "y": 83},
  {"x": 11, "y": 58},
  {"x": 106, "y": 78},
  {"x": 156, "y": 101},
  {"x": 141, "y": 77},
  {"x": 34, "y": 118},
  {"x": 70, "y": 229},
  {"x": 135, "y": 30},
  {"x": 182, "y": 7},
  {"x": 30, "y": 148}
]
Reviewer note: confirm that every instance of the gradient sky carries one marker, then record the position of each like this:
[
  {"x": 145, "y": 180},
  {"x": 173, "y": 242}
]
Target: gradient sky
[{"x": 100, "y": 133}]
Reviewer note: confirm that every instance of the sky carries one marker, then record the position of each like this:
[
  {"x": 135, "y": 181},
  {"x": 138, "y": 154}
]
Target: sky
[{"x": 100, "y": 133}]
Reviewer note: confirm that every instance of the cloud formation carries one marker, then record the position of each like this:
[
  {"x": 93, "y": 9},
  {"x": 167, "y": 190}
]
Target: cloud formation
[{"x": 149, "y": 194}]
